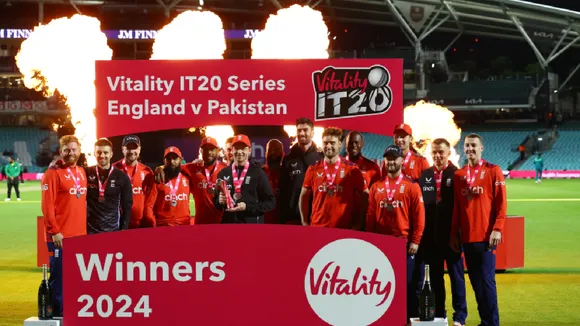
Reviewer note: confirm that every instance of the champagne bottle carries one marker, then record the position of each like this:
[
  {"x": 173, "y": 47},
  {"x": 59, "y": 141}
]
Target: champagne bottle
[
  {"x": 427, "y": 299},
  {"x": 44, "y": 293}
]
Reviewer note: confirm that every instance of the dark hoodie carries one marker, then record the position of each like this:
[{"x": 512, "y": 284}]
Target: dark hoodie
[{"x": 292, "y": 171}]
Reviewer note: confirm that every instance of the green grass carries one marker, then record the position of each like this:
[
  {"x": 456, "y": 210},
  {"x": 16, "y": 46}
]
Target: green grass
[{"x": 545, "y": 292}]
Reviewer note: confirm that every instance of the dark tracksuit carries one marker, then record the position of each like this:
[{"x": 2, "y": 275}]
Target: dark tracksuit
[
  {"x": 434, "y": 248},
  {"x": 257, "y": 194},
  {"x": 114, "y": 213},
  {"x": 294, "y": 166}
]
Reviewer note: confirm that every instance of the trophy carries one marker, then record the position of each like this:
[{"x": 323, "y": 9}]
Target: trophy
[{"x": 223, "y": 188}]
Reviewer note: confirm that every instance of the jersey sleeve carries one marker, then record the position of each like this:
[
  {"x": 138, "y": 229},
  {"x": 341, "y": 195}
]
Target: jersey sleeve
[
  {"x": 371, "y": 214},
  {"x": 49, "y": 186},
  {"x": 375, "y": 174},
  {"x": 499, "y": 199},
  {"x": 126, "y": 202},
  {"x": 149, "y": 213},
  {"x": 418, "y": 212},
  {"x": 456, "y": 207},
  {"x": 308, "y": 178}
]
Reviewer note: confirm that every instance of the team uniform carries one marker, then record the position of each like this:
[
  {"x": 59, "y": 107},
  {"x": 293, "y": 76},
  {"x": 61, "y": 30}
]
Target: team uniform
[
  {"x": 109, "y": 200},
  {"x": 273, "y": 216},
  {"x": 203, "y": 188},
  {"x": 168, "y": 204},
  {"x": 437, "y": 188},
  {"x": 370, "y": 170},
  {"x": 292, "y": 172},
  {"x": 141, "y": 177},
  {"x": 12, "y": 170},
  {"x": 336, "y": 193},
  {"x": 248, "y": 184},
  {"x": 64, "y": 207},
  {"x": 396, "y": 209},
  {"x": 539, "y": 165},
  {"x": 480, "y": 208}
]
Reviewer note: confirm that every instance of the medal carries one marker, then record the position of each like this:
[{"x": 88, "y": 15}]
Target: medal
[
  {"x": 239, "y": 180},
  {"x": 390, "y": 207},
  {"x": 76, "y": 180},
  {"x": 469, "y": 197},
  {"x": 391, "y": 194},
  {"x": 210, "y": 186},
  {"x": 174, "y": 203},
  {"x": 173, "y": 190},
  {"x": 102, "y": 185},
  {"x": 470, "y": 180},
  {"x": 79, "y": 195},
  {"x": 331, "y": 188},
  {"x": 101, "y": 199}
]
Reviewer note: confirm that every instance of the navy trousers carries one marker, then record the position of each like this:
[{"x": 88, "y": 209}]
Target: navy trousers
[
  {"x": 55, "y": 279},
  {"x": 412, "y": 297},
  {"x": 480, "y": 261}
]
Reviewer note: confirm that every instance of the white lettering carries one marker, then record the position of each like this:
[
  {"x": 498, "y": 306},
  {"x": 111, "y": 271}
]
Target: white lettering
[
  {"x": 147, "y": 84},
  {"x": 137, "y": 111},
  {"x": 396, "y": 204},
  {"x": 256, "y": 84},
  {"x": 245, "y": 108},
  {"x": 73, "y": 191},
  {"x": 178, "y": 197},
  {"x": 137, "y": 190}
]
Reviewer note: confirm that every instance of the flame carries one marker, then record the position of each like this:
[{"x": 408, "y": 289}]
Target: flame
[
  {"x": 297, "y": 32},
  {"x": 191, "y": 35},
  {"x": 61, "y": 55},
  {"x": 291, "y": 132},
  {"x": 55, "y": 126},
  {"x": 430, "y": 121}
]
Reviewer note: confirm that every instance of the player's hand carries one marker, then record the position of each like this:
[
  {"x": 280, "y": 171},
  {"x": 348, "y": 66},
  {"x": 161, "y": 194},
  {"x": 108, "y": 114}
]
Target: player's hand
[
  {"x": 222, "y": 198},
  {"x": 413, "y": 248},
  {"x": 454, "y": 243},
  {"x": 159, "y": 174},
  {"x": 240, "y": 207},
  {"x": 57, "y": 239},
  {"x": 494, "y": 239},
  {"x": 197, "y": 161}
]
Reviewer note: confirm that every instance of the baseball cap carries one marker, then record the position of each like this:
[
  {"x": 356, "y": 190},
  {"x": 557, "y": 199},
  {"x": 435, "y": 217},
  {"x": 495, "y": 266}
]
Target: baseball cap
[
  {"x": 131, "y": 139},
  {"x": 209, "y": 141},
  {"x": 404, "y": 127},
  {"x": 242, "y": 139},
  {"x": 393, "y": 150},
  {"x": 172, "y": 149}
]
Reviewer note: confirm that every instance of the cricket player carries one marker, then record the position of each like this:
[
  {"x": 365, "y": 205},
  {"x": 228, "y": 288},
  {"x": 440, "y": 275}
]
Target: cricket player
[
  {"x": 437, "y": 186},
  {"x": 140, "y": 175},
  {"x": 335, "y": 189},
  {"x": 539, "y": 164},
  {"x": 294, "y": 165},
  {"x": 248, "y": 185},
  {"x": 228, "y": 151},
  {"x": 479, "y": 216},
  {"x": 413, "y": 163},
  {"x": 109, "y": 195},
  {"x": 396, "y": 208},
  {"x": 64, "y": 207},
  {"x": 274, "y": 156},
  {"x": 354, "y": 146},
  {"x": 12, "y": 172}
]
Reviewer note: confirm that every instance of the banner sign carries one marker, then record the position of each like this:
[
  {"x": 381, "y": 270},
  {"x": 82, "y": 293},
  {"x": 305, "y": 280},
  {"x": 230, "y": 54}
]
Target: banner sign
[
  {"x": 27, "y": 107},
  {"x": 571, "y": 174},
  {"x": 235, "y": 275},
  {"x": 142, "y": 96}
]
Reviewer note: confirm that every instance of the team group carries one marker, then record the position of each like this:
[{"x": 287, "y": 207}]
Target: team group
[{"x": 442, "y": 210}]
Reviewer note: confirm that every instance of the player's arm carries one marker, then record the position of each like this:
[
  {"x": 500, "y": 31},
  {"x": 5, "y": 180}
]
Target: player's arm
[
  {"x": 306, "y": 197},
  {"x": 499, "y": 206},
  {"x": 455, "y": 222},
  {"x": 49, "y": 186},
  {"x": 371, "y": 217},
  {"x": 126, "y": 202},
  {"x": 266, "y": 198},
  {"x": 149, "y": 212},
  {"x": 418, "y": 218},
  {"x": 285, "y": 188},
  {"x": 376, "y": 174},
  {"x": 362, "y": 199}
]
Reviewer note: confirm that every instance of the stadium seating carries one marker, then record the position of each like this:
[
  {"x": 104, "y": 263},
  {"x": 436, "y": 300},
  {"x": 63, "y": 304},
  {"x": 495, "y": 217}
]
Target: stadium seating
[
  {"x": 499, "y": 90},
  {"x": 25, "y": 144},
  {"x": 562, "y": 156}
]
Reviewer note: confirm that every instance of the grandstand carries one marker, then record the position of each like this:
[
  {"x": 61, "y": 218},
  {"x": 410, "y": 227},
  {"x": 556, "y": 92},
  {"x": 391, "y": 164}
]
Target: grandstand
[{"x": 27, "y": 144}]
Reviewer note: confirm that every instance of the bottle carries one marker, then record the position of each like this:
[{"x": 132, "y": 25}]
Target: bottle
[
  {"x": 427, "y": 299},
  {"x": 44, "y": 293}
]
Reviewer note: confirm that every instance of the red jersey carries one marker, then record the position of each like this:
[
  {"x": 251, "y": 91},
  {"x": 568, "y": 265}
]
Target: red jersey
[
  {"x": 159, "y": 209},
  {"x": 63, "y": 211},
  {"x": 403, "y": 217},
  {"x": 370, "y": 170},
  {"x": 413, "y": 165},
  {"x": 273, "y": 216},
  {"x": 334, "y": 211},
  {"x": 201, "y": 189},
  {"x": 482, "y": 209},
  {"x": 142, "y": 179}
]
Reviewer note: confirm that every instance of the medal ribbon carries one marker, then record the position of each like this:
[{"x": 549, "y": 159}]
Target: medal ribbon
[
  {"x": 407, "y": 159},
  {"x": 470, "y": 180},
  {"x": 127, "y": 170},
  {"x": 76, "y": 180},
  {"x": 102, "y": 185},
  {"x": 208, "y": 176},
  {"x": 438, "y": 176},
  {"x": 330, "y": 179},
  {"x": 173, "y": 189},
  {"x": 391, "y": 194},
  {"x": 238, "y": 181}
]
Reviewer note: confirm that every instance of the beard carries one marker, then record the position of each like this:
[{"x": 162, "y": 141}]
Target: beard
[{"x": 171, "y": 172}]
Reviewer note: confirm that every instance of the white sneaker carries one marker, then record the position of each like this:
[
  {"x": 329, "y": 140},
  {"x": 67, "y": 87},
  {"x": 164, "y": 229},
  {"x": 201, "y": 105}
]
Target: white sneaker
[
  {"x": 7, "y": 199},
  {"x": 456, "y": 323},
  {"x": 18, "y": 199}
]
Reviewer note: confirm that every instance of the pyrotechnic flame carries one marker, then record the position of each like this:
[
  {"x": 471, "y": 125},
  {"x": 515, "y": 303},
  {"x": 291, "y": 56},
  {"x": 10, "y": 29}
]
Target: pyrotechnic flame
[
  {"x": 291, "y": 132},
  {"x": 297, "y": 32},
  {"x": 61, "y": 55},
  {"x": 430, "y": 121},
  {"x": 191, "y": 35}
]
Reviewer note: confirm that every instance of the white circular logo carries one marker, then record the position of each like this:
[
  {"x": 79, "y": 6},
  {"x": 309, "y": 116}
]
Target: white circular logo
[{"x": 350, "y": 282}]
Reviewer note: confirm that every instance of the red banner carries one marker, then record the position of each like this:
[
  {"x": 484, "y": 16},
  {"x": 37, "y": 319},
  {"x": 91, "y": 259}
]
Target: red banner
[
  {"x": 551, "y": 174},
  {"x": 26, "y": 107},
  {"x": 142, "y": 96},
  {"x": 235, "y": 275}
]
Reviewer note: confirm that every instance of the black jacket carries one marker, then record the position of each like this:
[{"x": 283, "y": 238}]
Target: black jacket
[
  {"x": 115, "y": 212},
  {"x": 256, "y": 193},
  {"x": 437, "y": 216},
  {"x": 294, "y": 166}
]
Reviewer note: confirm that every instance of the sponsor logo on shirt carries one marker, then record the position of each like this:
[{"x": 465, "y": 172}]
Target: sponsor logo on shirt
[
  {"x": 475, "y": 190},
  {"x": 396, "y": 203},
  {"x": 324, "y": 188},
  {"x": 348, "y": 276},
  {"x": 73, "y": 191},
  {"x": 45, "y": 187},
  {"x": 177, "y": 197},
  {"x": 428, "y": 188},
  {"x": 137, "y": 190},
  {"x": 500, "y": 183}
]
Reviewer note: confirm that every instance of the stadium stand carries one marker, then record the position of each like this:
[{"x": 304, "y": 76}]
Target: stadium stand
[
  {"x": 562, "y": 156},
  {"x": 25, "y": 143}
]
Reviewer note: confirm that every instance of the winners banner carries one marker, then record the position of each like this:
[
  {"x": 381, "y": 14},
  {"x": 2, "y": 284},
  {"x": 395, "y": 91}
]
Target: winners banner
[
  {"x": 234, "y": 275},
  {"x": 149, "y": 95}
]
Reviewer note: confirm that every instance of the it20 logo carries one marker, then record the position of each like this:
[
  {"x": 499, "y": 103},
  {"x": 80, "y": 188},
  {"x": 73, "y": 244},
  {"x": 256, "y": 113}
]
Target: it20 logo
[{"x": 349, "y": 92}]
